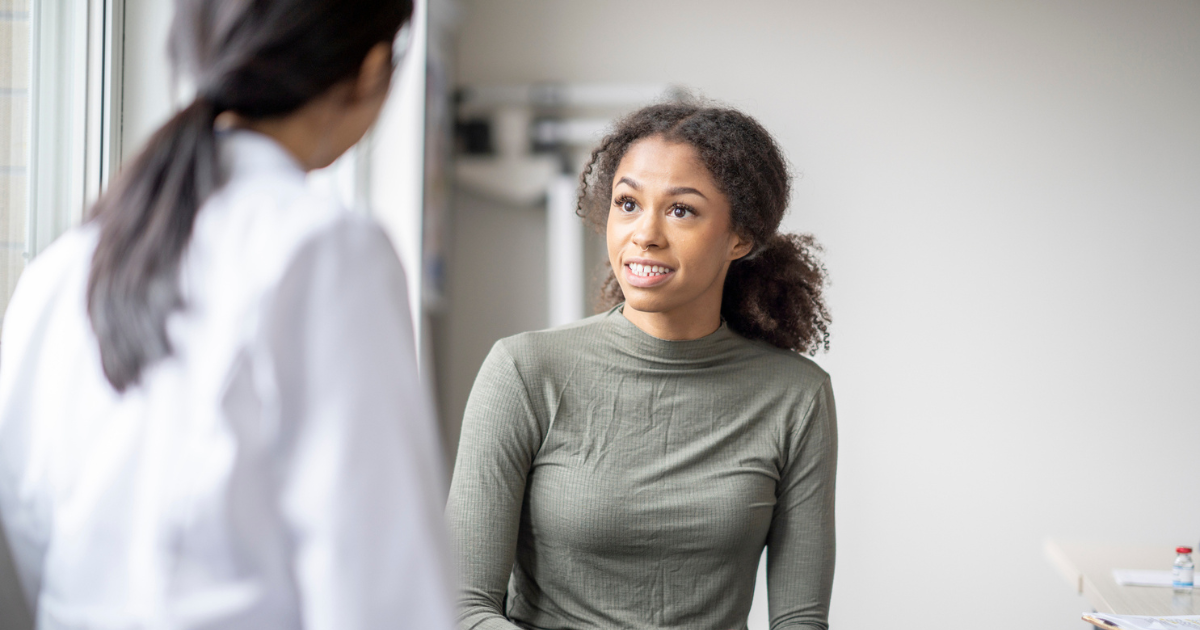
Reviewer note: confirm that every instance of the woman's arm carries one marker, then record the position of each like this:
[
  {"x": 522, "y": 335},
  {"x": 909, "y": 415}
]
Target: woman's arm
[
  {"x": 361, "y": 479},
  {"x": 800, "y": 545},
  {"x": 26, "y": 519},
  {"x": 500, "y": 436}
]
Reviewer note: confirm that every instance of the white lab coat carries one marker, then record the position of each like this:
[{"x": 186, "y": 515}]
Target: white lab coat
[{"x": 279, "y": 470}]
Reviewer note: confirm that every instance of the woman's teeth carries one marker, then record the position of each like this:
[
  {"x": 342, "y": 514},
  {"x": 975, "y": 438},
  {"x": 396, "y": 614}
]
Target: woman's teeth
[{"x": 647, "y": 271}]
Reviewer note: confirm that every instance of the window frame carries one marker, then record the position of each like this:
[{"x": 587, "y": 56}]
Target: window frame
[{"x": 74, "y": 121}]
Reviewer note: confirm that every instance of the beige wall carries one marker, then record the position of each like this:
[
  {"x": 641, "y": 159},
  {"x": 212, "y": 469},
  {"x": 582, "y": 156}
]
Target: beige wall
[
  {"x": 486, "y": 302},
  {"x": 1010, "y": 199}
]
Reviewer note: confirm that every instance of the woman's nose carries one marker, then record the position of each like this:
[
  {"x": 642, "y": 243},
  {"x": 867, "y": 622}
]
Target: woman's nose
[{"x": 648, "y": 232}]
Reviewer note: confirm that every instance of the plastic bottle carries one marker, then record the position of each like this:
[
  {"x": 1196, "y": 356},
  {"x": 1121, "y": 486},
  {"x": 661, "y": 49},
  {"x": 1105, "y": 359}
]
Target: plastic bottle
[{"x": 1184, "y": 571}]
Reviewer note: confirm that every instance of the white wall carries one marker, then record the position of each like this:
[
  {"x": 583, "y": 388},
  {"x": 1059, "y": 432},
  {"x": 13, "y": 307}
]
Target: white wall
[
  {"x": 1009, "y": 193},
  {"x": 146, "y": 78},
  {"x": 396, "y": 163}
]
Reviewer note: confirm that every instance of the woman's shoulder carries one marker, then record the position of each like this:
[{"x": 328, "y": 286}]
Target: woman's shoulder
[
  {"x": 58, "y": 272},
  {"x": 537, "y": 351},
  {"x": 61, "y": 268},
  {"x": 777, "y": 365},
  {"x": 551, "y": 342},
  {"x": 273, "y": 208},
  {"x": 354, "y": 234},
  {"x": 266, "y": 228},
  {"x": 67, "y": 255}
]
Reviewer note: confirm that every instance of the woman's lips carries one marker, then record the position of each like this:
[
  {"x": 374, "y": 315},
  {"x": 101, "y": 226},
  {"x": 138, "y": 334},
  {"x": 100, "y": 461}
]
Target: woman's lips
[{"x": 646, "y": 276}]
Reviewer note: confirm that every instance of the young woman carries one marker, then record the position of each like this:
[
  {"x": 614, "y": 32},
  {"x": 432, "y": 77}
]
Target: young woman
[
  {"x": 209, "y": 407},
  {"x": 627, "y": 471}
]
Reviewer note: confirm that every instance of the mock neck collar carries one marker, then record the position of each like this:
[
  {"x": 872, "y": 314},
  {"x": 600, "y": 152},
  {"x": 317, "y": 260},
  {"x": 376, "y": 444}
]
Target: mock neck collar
[{"x": 692, "y": 352}]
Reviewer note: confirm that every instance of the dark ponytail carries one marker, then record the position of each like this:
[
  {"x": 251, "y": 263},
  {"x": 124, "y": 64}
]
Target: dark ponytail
[
  {"x": 257, "y": 59},
  {"x": 145, "y": 223},
  {"x": 775, "y": 294}
]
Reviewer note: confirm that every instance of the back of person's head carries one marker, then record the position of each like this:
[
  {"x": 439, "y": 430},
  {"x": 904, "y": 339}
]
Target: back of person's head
[{"x": 258, "y": 59}]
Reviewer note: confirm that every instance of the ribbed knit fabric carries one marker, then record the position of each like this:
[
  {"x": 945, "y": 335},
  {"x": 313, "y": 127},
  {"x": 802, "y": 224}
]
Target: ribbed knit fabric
[{"x": 609, "y": 479}]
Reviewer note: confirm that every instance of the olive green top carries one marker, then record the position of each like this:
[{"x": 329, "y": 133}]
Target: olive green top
[{"x": 609, "y": 479}]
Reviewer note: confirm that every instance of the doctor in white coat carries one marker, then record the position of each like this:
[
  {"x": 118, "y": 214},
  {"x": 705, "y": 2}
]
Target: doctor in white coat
[{"x": 209, "y": 407}]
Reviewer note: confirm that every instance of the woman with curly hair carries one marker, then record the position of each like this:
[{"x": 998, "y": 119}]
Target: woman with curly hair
[{"x": 626, "y": 471}]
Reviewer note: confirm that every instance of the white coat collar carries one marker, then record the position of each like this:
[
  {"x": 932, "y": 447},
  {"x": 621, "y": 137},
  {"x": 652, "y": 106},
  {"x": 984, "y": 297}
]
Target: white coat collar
[{"x": 244, "y": 152}]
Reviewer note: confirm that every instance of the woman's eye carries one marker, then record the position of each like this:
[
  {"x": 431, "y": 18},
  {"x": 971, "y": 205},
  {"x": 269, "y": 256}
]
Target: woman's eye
[
  {"x": 628, "y": 205},
  {"x": 679, "y": 212}
]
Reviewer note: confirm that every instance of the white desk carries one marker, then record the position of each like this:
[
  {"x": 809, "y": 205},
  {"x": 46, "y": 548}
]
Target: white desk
[{"x": 1088, "y": 568}]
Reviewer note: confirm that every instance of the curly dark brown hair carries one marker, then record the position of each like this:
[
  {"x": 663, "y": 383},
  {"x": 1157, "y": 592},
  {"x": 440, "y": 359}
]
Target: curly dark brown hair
[{"x": 774, "y": 294}]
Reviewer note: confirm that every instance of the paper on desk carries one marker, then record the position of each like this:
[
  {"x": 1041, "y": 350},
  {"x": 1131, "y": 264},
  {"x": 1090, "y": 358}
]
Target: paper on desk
[
  {"x": 1130, "y": 622},
  {"x": 1139, "y": 577}
]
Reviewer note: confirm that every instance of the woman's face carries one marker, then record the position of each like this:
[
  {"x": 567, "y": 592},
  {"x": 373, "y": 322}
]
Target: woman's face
[
  {"x": 670, "y": 236},
  {"x": 357, "y": 104}
]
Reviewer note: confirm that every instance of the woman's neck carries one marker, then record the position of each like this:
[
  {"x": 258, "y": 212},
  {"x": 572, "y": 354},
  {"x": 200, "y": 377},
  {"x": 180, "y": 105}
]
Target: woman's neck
[
  {"x": 681, "y": 324},
  {"x": 303, "y": 133}
]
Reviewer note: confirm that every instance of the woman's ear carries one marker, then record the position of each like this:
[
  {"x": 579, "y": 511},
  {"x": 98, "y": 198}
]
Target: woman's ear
[
  {"x": 375, "y": 75},
  {"x": 739, "y": 246}
]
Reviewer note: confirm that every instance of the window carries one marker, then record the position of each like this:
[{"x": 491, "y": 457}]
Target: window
[
  {"x": 54, "y": 113},
  {"x": 14, "y": 142}
]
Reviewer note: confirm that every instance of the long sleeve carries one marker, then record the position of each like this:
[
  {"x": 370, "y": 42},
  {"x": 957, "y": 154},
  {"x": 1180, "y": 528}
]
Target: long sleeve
[
  {"x": 25, "y": 518},
  {"x": 26, "y": 439},
  {"x": 361, "y": 479},
  {"x": 800, "y": 543},
  {"x": 500, "y": 436}
]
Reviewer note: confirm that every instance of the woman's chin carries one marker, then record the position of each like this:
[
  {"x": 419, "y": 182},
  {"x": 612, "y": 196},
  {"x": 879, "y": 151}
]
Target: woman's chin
[{"x": 638, "y": 300}]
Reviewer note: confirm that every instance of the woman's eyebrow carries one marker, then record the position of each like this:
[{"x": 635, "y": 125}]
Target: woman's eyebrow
[
  {"x": 677, "y": 190},
  {"x": 684, "y": 190}
]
